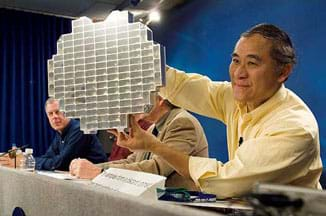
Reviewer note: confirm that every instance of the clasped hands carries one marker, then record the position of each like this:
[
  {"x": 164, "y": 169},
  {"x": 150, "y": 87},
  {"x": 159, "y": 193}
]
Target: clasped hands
[
  {"x": 9, "y": 160},
  {"x": 83, "y": 169}
]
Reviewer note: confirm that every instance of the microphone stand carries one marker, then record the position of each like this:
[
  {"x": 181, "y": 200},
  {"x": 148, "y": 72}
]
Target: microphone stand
[{"x": 12, "y": 155}]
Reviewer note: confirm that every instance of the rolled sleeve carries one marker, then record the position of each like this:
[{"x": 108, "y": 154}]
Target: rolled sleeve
[
  {"x": 200, "y": 168},
  {"x": 277, "y": 159}
]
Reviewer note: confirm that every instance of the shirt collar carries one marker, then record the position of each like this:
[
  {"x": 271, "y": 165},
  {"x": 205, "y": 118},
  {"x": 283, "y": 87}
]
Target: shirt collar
[
  {"x": 267, "y": 106},
  {"x": 160, "y": 123},
  {"x": 66, "y": 129}
]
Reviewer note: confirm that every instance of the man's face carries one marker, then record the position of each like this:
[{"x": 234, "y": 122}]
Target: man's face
[
  {"x": 154, "y": 114},
  {"x": 57, "y": 119},
  {"x": 254, "y": 74}
]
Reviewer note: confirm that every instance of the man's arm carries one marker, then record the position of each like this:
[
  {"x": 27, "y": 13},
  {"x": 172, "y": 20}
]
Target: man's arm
[
  {"x": 60, "y": 159},
  {"x": 5, "y": 160},
  {"x": 284, "y": 156},
  {"x": 85, "y": 169},
  {"x": 178, "y": 160},
  {"x": 182, "y": 133},
  {"x": 140, "y": 140},
  {"x": 197, "y": 93},
  {"x": 44, "y": 162}
]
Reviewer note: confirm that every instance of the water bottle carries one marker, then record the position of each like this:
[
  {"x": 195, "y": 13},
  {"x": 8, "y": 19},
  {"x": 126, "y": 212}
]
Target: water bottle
[
  {"x": 19, "y": 156},
  {"x": 22, "y": 162},
  {"x": 29, "y": 160}
]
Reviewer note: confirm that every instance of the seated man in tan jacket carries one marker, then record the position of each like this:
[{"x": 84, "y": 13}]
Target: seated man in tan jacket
[{"x": 174, "y": 127}]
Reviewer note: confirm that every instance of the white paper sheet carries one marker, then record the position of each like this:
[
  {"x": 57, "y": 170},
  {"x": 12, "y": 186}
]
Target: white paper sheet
[
  {"x": 217, "y": 204},
  {"x": 57, "y": 175}
]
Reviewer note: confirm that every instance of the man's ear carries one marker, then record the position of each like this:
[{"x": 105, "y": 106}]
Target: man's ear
[{"x": 285, "y": 73}]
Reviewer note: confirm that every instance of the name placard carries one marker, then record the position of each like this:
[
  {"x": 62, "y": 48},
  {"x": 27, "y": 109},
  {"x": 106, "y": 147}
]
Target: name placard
[{"x": 131, "y": 182}]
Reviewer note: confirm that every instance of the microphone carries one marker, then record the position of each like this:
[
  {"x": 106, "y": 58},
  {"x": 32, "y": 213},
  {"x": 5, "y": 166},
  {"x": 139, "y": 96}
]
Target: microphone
[
  {"x": 12, "y": 152},
  {"x": 240, "y": 141}
]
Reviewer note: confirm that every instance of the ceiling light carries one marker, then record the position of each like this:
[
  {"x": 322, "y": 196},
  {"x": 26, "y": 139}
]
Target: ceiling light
[{"x": 154, "y": 16}]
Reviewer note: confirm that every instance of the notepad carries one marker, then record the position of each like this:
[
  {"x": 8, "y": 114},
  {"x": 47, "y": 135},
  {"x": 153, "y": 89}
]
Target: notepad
[{"x": 57, "y": 175}]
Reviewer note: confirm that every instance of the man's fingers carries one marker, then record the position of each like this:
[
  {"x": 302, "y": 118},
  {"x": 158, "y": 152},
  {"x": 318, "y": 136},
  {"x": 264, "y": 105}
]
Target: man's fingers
[
  {"x": 71, "y": 170},
  {"x": 5, "y": 161},
  {"x": 75, "y": 170},
  {"x": 113, "y": 131},
  {"x": 132, "y": 121},
  {"x": 134, "y": 125},
  {"x": 123, "y": 140},
  {"x": 72, "y": 164}
]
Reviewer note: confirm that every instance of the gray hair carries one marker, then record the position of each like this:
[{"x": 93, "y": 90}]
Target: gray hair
[
  {"x": 169, "y": 104},
  {"x": 50, "y": 100},
  {"x": 282, "y": 50}
]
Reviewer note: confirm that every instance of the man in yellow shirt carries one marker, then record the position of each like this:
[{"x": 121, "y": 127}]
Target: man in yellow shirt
[{"x": 271, "y": 133}]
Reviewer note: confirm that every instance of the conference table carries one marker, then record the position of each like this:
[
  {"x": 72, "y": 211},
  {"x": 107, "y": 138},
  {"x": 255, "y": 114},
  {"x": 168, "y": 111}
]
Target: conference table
[{"x": 43, "y": 195}]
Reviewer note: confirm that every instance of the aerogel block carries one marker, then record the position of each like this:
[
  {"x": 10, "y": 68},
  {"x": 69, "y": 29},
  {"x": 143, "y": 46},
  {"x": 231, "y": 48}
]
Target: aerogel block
[{"x": 106, "y": 70}]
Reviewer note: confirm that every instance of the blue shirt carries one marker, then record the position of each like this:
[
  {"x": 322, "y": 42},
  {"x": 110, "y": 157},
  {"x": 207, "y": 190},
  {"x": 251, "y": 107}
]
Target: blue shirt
[{"x": 71, "y": 144}]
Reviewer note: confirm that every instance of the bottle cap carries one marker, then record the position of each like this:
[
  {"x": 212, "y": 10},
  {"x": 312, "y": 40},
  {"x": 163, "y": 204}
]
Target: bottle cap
[{"x": 29, "y": 151}]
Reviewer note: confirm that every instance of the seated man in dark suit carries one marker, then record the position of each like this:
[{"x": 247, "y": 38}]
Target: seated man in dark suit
[{"x": 69, "y": 142}]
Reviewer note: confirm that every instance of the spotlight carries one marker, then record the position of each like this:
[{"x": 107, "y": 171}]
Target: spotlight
[{"x": 153, "y": 16}]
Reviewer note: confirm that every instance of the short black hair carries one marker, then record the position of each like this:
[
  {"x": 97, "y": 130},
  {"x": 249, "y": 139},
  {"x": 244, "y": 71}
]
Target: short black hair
[{"x": 282, "y": 50}]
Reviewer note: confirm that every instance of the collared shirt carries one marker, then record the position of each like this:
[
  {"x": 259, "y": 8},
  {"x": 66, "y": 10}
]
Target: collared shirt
[
  {"x": 160, "y": 124},
  {"x": 280, "y": 137},
  {"x": 71, "y": 144},
  {"x": 156, "y": 131}
]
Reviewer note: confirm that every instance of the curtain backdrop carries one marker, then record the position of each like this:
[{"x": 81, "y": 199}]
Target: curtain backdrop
[{"x": 27, "y": 40}]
